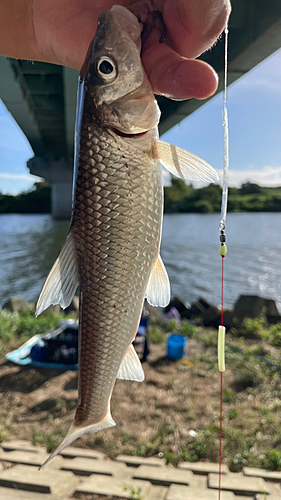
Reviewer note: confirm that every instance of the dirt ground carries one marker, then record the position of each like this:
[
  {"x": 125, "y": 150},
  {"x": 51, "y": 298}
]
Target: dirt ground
[
  {"x": 159, "y": 416},
  {"x": 40, "y": 400}
]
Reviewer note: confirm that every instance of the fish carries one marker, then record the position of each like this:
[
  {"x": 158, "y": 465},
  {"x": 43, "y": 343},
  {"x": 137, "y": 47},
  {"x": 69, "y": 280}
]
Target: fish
[{"x": 113, "y": 244}]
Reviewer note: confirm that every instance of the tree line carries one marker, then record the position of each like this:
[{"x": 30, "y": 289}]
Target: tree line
[{"x": 179, "y": 197}]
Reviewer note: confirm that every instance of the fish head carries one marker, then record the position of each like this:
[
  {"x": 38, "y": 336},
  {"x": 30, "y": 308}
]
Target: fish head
[{"x": 118, "y": 87}]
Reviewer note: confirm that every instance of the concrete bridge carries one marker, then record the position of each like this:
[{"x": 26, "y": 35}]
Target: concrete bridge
[{"x": 42, "y": 97}]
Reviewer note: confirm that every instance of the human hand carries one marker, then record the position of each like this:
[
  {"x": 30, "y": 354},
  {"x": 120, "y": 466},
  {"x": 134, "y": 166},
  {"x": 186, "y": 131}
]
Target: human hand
[{"x": 63, "y": 29}]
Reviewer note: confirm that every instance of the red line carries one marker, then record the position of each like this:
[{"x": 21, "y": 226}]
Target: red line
[
  {"x": 221, "y": 384},
  {"x": 222, "y": 285}
]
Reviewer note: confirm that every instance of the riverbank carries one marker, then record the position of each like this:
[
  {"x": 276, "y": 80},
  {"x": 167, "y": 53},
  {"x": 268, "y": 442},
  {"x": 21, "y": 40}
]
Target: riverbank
[
  {"x": 179, "y": 198},
  {"x": 175, "y": 412}
]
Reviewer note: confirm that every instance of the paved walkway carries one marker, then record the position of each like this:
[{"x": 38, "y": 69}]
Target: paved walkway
[{"x": 78, "y": 472}]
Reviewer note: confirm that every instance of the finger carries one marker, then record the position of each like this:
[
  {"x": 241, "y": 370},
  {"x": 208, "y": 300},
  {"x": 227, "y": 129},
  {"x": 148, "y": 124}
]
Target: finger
[
  {"x": 194, "y": 26},
  {"x": 176, "y": 77}
]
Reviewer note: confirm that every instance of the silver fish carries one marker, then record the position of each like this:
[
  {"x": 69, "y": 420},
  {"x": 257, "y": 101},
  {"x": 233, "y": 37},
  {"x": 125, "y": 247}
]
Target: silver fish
[{"x": 112, "y": 248}]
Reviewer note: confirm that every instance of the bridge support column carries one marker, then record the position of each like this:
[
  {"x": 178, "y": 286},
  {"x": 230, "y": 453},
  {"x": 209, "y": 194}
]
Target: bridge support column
[{"x": 59, "y": 174}]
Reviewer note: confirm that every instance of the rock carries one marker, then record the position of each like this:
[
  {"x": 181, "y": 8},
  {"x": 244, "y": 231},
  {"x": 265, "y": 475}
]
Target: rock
[
  {"x": 73, "y": 306},
  {"x": 211, "y": 317},
  {"x": 154, "y": 313},
  {"x": 251, "y": 306},
  {"x": 52, "y": 311},
  {"x": 16, "y": 304},
  {"x": 200, "y": 307},
  {"x": 228, "y": 317},
  {"x": 182, "y": 307}
]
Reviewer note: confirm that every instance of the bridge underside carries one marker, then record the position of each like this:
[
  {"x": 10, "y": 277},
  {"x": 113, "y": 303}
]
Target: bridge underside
[{"x": 42, "y": 97}]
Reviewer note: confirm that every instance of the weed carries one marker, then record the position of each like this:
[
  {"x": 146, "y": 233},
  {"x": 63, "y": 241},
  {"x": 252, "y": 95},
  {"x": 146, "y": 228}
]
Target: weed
[
  {"x": 4, "y": 434},
  {"x": 272, "y": 460},
  {"x": 229, "y": 396},
  {"x": 209, "y": 339},
  {"x": 49, "y": 439},
  {"x": 156, "y": 335},
  {"x": 254, "y": 327},
  {"x": 172, "y": 325},
  {"x": 135, "y": 493},
  {"x": 187, "y": 329},
  {"x": 275, "y": 335},
  {"x": 248, "y": 372},
  {"x": 233, "y": 414},
  {"x": 15, "y": 326}
]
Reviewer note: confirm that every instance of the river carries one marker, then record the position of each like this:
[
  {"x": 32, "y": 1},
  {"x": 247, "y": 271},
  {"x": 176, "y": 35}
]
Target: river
[{"x": 190, "y": 250}]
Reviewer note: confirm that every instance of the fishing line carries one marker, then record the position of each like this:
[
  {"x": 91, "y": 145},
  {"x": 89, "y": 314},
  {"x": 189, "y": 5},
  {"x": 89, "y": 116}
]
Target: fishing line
[{"x": 223, "y": 249}]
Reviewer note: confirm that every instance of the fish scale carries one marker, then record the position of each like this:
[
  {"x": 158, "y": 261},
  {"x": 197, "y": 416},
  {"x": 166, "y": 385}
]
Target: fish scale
[{"x": 113, "y": 285}]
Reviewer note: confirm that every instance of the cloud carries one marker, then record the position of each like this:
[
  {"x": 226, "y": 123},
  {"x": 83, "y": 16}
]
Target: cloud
[
  {"x": 266, "y": 176},
  {"x": 17, "y": 177}
]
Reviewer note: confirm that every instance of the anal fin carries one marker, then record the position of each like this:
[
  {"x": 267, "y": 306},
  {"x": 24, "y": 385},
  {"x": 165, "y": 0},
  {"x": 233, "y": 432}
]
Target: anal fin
[{"x": 130, "y": 368}]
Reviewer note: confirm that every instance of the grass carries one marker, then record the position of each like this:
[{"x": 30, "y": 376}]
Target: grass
[
  {"x": 50, "y": 440},
  {"x": 16, "y": 327},
  {"x": 251, "y": 396}
]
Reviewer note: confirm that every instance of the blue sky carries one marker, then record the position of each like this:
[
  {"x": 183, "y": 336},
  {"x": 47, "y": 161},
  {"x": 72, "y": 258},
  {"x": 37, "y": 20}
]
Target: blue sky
[{"x": 254, "y": 110}]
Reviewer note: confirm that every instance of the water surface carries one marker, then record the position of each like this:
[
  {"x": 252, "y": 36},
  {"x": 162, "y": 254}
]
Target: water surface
[{"x": 190, "y": 249}]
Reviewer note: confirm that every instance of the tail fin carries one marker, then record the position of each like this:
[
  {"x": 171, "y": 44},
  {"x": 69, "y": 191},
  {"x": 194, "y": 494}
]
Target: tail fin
[{"x": 76, "y": 432}]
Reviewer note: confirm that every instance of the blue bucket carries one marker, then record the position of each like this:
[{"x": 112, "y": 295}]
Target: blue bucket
[{"x": 175, "y": 346}]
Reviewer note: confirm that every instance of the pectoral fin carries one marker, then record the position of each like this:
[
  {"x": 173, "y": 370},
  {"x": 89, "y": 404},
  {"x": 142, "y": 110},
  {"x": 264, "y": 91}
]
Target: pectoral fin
[
  {"x": 158, "y": 289},
  {"x": 130, "y": 368},
  {"x": 63, "y": 279},
  {"x": 183, "y": 164}
]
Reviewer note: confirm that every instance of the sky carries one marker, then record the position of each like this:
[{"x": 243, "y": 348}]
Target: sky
[{"x": 254, "y": 111}]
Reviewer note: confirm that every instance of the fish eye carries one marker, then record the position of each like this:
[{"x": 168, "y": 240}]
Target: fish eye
[{"x": 106, "y": 69}]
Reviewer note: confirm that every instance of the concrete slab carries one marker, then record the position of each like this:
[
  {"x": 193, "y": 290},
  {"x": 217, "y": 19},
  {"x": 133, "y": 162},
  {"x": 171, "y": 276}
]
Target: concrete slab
[
  {"x": 87, "y": 467},
  {"x": 30, "y": 458},
  {"x": 101, "y": 485},
  {"x": 72, "y": 452},
  {"x": 22, "y": 445},
  {"x": 239, "y": 485},
  {"x": 156, "y": 493},
  {"x": 176, "y": 492},
  {"x": 203, "y": 468},
  {"x": 12, "y": 494},
  {"x": 267, "y": 497},
  {"x": 248, "y": 498},
  {"x": 24, "y": 477},
  {"x": 266, "y": 474},
  {"x": 199, "y": 481},
  {"x": 163, "y": 475},
  {"x": 137, "y": 461},
  {"x": 274, "y": 488}
]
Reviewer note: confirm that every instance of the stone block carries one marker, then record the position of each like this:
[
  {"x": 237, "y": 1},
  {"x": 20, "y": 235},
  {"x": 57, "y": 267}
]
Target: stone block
[
  {"x": 239, "y": 485},
  {"x": 23, "y": 477},
  {"x": 72, "y": 452},
  {"x": 12, "y": 494},
  {"x": 176, "y": 492},
  {"x": 21, "y": 445},
  {"x": 137, "y": 461},
  {"x": 108, "y": 486},
  {"x": 16, "y": 304},
  {"x": 29, "y": 458},
  {"x": 266, "y": 474},
  {"x": 163, "y": 475},
  {"x": 87, "y": 467},
  {"x": 203, "y": 468},
  {"x": 268, "y": 497}
]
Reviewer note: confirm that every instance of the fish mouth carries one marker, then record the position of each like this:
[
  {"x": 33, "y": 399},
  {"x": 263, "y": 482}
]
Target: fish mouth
[{"x": 130, "y": 136}]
